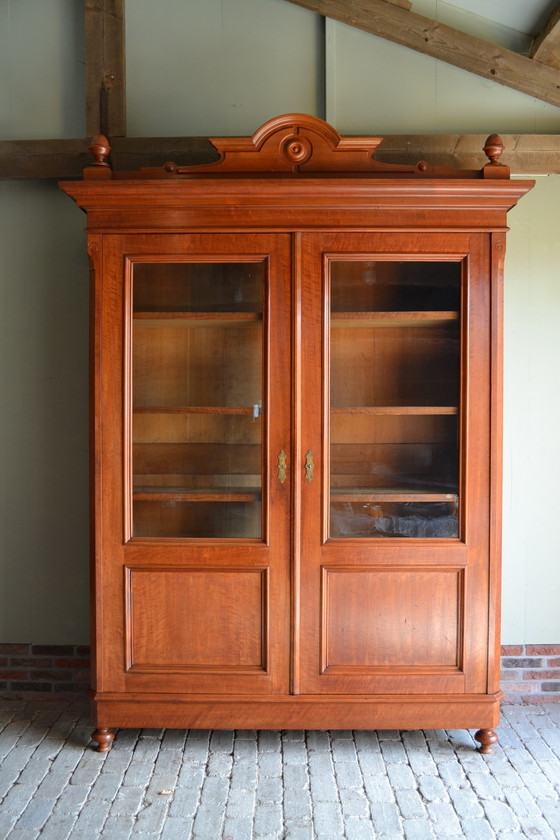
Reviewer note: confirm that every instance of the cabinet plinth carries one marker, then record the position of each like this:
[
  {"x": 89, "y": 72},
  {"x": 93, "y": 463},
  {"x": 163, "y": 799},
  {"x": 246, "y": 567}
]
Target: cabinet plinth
[{"x": 296, "y": 416}]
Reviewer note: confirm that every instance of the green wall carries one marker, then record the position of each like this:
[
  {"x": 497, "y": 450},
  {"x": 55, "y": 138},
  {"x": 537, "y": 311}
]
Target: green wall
[{"x": 218, "y": 67}]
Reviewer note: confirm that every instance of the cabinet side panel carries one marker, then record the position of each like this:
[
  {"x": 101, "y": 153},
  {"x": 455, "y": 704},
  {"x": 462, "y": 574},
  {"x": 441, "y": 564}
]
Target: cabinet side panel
[
  {"x": 498, "y": 247},
  {"x": 96, "y": 602}
]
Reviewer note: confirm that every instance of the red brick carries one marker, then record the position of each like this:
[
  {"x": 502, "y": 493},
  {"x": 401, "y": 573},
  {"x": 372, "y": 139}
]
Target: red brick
[
  {"x": 83, "y": 650},
  {"x": 542, "y": 650},
  {"x": 14, "y": 650},
  {"x": 31, "y": 661},
  {"x": 521, "y": 687},
  {"x": 512, "y": 650},
  {"x": 541, "y": 675},
  {"x": 13, "y": 675},
  {"x": 71, "y": 663},
  {"x": 3, "y": 661},
  {"x": 554, "y": 662},
  {"x": 513, "y": 674}
]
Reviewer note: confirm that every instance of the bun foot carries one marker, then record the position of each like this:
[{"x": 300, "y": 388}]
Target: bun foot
[
  {"x": 104, "y": 738},
  {"x": 486, "y": 738}
]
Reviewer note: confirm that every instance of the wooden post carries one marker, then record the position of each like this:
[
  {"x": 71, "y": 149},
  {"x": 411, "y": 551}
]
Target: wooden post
[{"x": 105, "y": 68}]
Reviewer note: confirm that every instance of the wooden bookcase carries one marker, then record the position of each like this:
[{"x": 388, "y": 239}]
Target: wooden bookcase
[{"x": 296, "y": 400}]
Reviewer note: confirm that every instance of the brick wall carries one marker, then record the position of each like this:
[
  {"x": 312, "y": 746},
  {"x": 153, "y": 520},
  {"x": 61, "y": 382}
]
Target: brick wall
[
  {"x": 530, "y": 673},
  {"x": 53, "y": 671}
]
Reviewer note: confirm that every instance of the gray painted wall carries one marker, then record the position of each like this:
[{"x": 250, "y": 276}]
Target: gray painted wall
[{"x": 218, "y": 67}]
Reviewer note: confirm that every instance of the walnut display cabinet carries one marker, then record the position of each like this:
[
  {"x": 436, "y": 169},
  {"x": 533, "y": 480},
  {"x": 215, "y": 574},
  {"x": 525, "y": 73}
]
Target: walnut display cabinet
[{"x": 296, "y": 437}]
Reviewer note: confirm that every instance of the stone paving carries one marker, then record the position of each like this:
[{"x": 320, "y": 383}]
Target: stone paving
[{"x": 247, "y": 785}]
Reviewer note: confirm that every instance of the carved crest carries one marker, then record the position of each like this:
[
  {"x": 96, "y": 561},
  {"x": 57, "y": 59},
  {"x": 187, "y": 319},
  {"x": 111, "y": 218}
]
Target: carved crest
[
  {"x": 299, "y": 144},
  {"x": 294, "y": 143}
]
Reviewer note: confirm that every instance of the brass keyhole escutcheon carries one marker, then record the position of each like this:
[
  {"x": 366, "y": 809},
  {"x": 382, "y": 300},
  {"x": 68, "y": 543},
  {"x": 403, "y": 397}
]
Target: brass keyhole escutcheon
[
  {"x": 282, "y": 467},
  {"x": 309, "y": 466}
]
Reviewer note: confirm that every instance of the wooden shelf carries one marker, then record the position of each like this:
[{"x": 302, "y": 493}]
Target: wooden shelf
[
  {"x": 393, "y": 319},
  {"x": 395, "y": 409},
  {"x": 193, "y": 409},
  {"x": 389, "y": 494},
  {"x": 196, "y": 319},
  {"x": 183, "y": 494}
]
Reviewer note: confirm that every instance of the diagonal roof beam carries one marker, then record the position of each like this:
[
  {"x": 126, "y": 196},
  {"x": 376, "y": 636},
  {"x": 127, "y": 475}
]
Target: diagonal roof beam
[
  {"x": 548, "y": 41},
  {"x": 432, "y": 38}
]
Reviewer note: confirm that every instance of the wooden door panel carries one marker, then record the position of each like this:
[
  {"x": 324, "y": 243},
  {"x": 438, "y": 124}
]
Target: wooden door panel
[
  {"x": 215, "y": 618},
  {"x": 383, "y": 618}
]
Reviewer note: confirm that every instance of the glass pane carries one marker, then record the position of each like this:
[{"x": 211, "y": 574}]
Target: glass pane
[
  {"x": 197, "y": 400},
  {"x": 394, "y": 385}
]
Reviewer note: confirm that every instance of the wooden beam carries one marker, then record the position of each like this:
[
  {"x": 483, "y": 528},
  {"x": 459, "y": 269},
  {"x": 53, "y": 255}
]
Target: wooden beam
[
  {"x": 548, "y": 41},
  {"x": 525, "y": 154},
  {"x": 56, "y": 159},
  {"x": 404, "y": 4},
  {"x": 431, "y": 38},
  {"x": 43, "y": 159},
  {"x": 105, "y": 68}
]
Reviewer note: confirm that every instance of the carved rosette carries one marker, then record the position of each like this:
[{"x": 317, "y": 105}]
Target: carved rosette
[{"x": 296, "y": 149}]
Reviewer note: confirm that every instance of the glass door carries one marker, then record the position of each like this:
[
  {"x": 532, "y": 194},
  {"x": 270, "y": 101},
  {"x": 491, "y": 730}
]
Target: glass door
[
  {"x": 394, "y": 398},
  {"x": 197, "y": 393},
  {"x": 394, "y": 462},
  {"x": 195, "y": 535}
]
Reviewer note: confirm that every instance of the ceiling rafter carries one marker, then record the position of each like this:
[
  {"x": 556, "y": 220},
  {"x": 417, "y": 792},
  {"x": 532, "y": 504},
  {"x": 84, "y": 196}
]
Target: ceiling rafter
[
  {"x": 105, "y": 112},
  {"x": 404, "y": 4},
  {"x": 547, "y": 43},
  {"x": 386, "y": 20}
]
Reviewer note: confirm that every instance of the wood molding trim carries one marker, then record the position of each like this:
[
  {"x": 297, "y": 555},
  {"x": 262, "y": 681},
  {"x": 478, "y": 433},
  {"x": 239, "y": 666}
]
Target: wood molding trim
[{"x": 419, "y": 33}]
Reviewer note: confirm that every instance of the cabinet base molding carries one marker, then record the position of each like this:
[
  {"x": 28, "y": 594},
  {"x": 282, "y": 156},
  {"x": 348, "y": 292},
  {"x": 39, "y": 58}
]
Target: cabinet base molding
[{"x": 301, "y": 712}]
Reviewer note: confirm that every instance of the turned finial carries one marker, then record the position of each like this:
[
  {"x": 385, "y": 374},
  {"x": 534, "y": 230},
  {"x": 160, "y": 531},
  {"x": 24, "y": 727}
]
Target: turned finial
[
  {"x": 493, "y": 149},
  {"x": 100, "y": 149}
]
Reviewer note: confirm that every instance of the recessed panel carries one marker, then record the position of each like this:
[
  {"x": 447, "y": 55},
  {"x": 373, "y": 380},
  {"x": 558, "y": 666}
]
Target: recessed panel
[
  {"x": 389, "y": 618},
  {"x": 197, "y": 619}
]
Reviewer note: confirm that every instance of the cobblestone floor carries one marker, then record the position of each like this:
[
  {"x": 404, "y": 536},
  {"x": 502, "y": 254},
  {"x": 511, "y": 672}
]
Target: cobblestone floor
[{"x": 246, "y": 785}]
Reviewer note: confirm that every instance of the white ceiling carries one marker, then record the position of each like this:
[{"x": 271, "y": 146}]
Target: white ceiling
[{"x": 527, "y": 16}]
